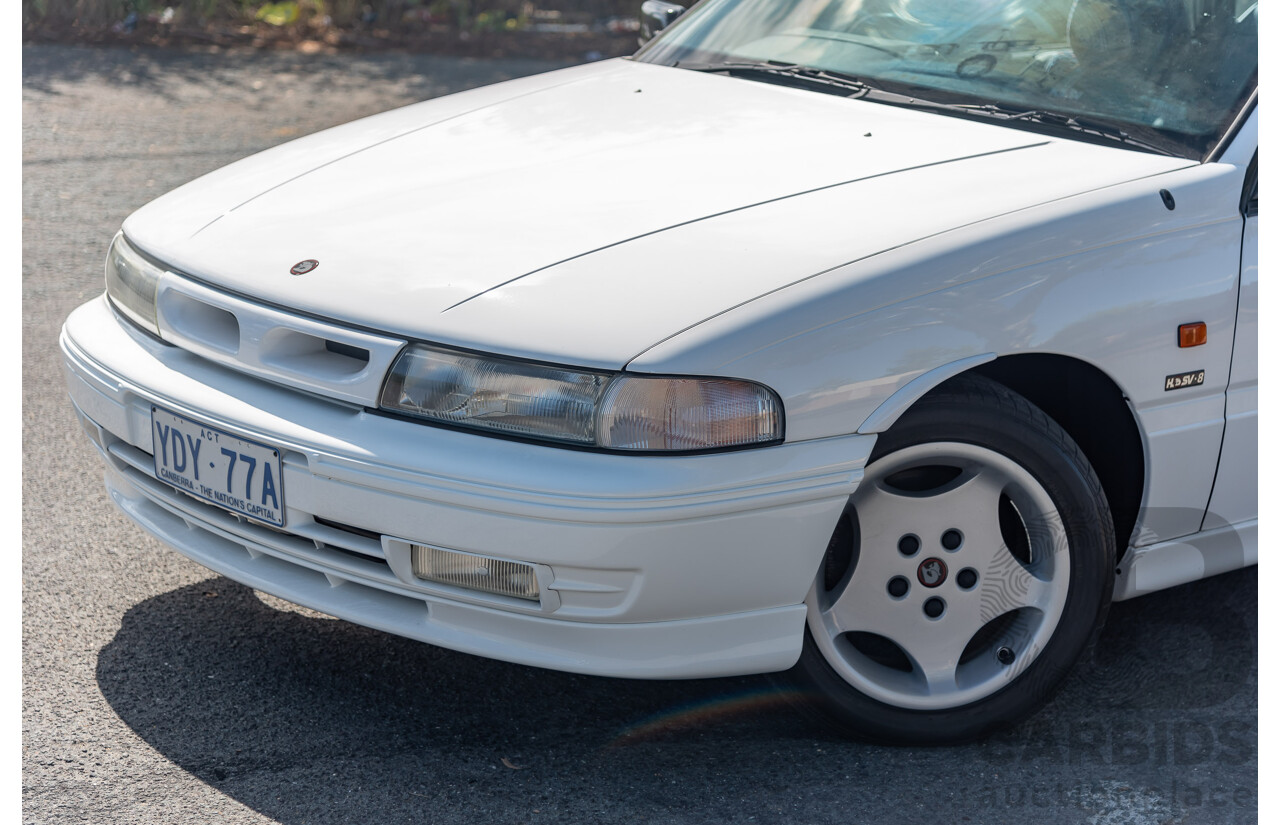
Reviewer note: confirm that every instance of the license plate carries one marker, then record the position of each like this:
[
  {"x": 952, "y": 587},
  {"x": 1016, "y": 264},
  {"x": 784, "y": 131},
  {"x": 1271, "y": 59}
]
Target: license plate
[{"x": 237, "y": 475}]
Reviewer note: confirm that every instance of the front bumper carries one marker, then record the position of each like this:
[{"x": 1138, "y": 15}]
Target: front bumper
[{"x": 656, "y": 566}]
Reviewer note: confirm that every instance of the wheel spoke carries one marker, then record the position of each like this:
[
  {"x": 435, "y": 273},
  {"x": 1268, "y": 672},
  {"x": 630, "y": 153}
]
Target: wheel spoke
[
  {"x": 971, "y": 501},
  {"x": 934, "y": 650},
  {"x": 976, "y": 487},
  {"x": 862, "y": 607},
  {"x": 940, "y": 676},
  {"x": 934, "y": 655},
  {"x": 1007, "y": 585}
]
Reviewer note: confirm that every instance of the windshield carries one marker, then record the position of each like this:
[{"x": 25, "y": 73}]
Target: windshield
[{"x": 1172, "y": 72}]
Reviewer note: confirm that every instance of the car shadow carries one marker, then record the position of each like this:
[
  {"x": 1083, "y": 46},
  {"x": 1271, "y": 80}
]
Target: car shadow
[{"x": 308, "y": 719}]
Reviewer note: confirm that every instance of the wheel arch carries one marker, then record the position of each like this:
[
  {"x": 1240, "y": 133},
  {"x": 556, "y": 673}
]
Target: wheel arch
[{"x": 1081, "y": 398}]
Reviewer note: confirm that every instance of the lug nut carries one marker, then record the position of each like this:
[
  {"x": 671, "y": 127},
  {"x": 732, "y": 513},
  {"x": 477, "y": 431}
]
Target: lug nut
[
  {"x": 933, "y": 607},
  {"x": 898, "y": 587},
  {"x": 908, "y": 545},
  {"x": 1005, "y": 656},
  {"x": 952, "y": 539},
  {"x": 967, "y": 578}
]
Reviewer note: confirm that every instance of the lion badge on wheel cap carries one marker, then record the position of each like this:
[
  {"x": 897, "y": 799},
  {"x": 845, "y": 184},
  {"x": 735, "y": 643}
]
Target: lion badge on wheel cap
[{"x": 931, "y": 572}]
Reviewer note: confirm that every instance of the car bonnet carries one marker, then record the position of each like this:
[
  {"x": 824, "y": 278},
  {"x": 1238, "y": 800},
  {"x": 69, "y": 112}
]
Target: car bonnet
[{"x": 583, "y": 215}]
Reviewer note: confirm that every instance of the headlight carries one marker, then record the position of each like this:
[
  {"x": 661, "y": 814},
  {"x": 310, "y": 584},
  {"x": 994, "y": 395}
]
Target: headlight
[
  {"x": 642, "y": 413},
  {"x": 616, "y": 411},
  {"x": 132, "y": 282},
  {"x": 505, "y": 396}
]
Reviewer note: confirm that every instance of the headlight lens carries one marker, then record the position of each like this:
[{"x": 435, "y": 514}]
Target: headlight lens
[
  {"x": 504, "y": 396},
  {"x": 614, "y": 411},
  {"x": 641, "y": 413},
  {"x": 132, "y": 283}
]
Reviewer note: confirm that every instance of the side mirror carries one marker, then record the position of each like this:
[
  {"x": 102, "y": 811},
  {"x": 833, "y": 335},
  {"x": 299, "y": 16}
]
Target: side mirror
[{"x": 656, "y": 15}]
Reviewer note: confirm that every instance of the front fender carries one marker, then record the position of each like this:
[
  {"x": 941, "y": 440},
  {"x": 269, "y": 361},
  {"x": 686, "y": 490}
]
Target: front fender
[{"x": 1105, "y": 277}]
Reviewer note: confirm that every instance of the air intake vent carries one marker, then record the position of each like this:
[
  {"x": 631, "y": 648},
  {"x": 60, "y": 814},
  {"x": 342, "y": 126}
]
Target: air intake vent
[{"x": 308, "y": 353}]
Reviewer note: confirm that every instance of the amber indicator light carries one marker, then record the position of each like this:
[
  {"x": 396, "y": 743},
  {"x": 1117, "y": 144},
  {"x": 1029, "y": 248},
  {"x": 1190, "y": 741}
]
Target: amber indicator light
[{"x": 1193, "y": 335}]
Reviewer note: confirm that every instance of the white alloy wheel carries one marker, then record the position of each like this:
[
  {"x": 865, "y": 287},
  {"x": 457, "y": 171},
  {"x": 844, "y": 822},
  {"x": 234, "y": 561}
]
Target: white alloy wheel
[
  {"x": 936, "y": 577},
  {"x": 970, "y": 570}
]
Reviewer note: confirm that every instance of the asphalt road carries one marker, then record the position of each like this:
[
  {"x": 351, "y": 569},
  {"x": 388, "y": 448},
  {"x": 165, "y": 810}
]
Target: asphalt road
[{"x": 156, "y": 691}]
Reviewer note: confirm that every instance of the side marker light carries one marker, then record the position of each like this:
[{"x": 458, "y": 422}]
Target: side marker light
[{"x": 1193, "y": 335}]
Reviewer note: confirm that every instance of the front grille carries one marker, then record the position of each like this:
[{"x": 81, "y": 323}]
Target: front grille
[
  {"x": 340, "y": 552},
  {"x": 347, "y": 528},
  {"x": 311, "y": 354},
  {"x": 320, "y": 546}
]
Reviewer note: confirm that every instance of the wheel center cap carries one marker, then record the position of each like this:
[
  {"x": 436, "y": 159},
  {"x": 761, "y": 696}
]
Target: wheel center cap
[{"x": 932, "y": 572}]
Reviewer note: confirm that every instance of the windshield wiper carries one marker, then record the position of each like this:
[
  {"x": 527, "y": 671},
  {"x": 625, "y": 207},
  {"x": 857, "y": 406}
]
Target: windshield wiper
[
  {"x": 1072, "y": 122},
  {"x": 832, "y": 81},
  {"x": 857, "y": 87}
]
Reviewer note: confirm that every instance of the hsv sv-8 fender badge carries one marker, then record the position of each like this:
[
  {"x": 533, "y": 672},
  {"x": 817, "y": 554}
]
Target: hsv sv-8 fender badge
[
  {"x": 303, "y": 267},
  {"x": 1186, "y": 379}
]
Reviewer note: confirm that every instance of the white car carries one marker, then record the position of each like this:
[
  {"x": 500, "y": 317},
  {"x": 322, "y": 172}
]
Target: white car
[{"x": 710, "y": 361}]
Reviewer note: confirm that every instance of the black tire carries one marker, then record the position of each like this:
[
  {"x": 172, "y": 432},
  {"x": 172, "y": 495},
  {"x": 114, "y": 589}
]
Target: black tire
[{"x": 990, "y": 420}]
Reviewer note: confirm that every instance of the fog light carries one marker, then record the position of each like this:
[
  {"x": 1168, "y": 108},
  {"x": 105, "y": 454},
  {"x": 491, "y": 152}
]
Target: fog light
[{"x": 498, "y": 576}]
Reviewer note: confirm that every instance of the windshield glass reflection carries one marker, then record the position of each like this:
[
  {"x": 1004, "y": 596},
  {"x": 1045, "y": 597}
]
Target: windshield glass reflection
[{"x": 1182, "y": 68}]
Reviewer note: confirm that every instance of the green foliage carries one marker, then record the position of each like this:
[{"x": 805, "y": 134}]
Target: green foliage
[
  {"x": 463, "y": 15},
  {"x": 278, "y": 14}
]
